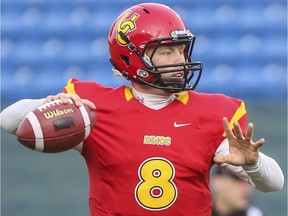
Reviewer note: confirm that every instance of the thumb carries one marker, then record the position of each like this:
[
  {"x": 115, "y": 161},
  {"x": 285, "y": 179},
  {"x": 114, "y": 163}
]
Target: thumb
[{"x": 221, "y": 159}]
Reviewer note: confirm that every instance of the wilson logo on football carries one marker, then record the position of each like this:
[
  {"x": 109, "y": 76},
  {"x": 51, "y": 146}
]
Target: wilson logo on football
[
  {"x": 126, "y": 25},
  {"x": 57, "y": 112}
]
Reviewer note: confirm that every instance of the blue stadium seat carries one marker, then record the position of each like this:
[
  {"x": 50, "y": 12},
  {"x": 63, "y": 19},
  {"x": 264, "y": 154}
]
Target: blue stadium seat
[{"x": 49, "y": 41}]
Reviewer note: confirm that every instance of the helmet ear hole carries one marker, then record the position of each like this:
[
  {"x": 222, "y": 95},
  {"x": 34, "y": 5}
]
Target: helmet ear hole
[{"x": 125, "y": 59}]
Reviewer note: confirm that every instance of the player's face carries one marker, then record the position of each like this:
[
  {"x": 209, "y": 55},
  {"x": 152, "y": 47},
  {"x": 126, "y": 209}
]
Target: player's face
[
  {"x": 165, "y": 54},
  {"x": 168, "y": 54}
]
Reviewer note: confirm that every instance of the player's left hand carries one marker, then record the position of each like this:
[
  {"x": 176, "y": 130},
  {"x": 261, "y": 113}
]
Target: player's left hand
[{"x": 242, "y": 150}]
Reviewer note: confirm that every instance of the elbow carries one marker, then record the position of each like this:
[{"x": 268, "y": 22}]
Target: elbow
[
  {"x": 272, "y": 177},
  {"x": 278, "y": 186},
  {"x": 10, "y": 119},
  {"x": 13, "y": 115},
  {"x": 273, "y": 186},
  {"x": 5, "y": 124},
  {"x": 281, "y": 184},
  {"x": 270, "y": 189}
]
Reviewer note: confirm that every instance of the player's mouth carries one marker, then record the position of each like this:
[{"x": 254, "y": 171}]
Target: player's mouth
[{"x": 177, "y": 76}]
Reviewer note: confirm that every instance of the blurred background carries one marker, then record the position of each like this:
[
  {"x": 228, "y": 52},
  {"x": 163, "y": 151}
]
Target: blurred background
[{"x": 243, "y": 45}]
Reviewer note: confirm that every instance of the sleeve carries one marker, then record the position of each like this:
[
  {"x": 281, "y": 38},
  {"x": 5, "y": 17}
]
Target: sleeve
[
  {"x": 70, "y": 88},
  {"x": 13, "y": 115},
  {"x": 266, "y": 175}
]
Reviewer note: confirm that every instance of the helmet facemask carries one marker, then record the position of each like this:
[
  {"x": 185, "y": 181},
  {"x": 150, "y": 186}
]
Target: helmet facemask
[{"x": 151, "y": 73}]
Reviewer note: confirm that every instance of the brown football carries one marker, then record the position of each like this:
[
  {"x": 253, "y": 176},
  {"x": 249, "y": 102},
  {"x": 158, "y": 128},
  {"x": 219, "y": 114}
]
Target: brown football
[{"x": 56, "y": 127}]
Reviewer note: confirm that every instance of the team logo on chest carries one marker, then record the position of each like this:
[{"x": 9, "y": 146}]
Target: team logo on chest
[{"x": 157, "y": 140}]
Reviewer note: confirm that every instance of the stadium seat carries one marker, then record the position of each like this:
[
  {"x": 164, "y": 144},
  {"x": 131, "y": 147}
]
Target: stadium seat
[{"x": 240, "y": 44}]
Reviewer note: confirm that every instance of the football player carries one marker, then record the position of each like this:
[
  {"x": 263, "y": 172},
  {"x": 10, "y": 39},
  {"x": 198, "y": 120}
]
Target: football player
[{"x": 155, "y": 141}]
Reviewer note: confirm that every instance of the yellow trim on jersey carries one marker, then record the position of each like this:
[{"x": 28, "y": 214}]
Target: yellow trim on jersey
[
  {"x": 70, "y": 87},
  {"x": 183, "y": 97},
  {"x": 241, "y": 111},
  {"x": 128, "y": 93}
]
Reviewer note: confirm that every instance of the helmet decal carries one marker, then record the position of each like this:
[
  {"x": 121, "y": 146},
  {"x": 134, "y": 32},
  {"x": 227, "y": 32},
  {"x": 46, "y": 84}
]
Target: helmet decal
[{"x": 126, "y": 25}]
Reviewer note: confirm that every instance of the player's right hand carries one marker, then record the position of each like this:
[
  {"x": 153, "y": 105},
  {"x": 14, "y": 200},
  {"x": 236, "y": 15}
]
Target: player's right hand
[{"x": 76, "y": 99}]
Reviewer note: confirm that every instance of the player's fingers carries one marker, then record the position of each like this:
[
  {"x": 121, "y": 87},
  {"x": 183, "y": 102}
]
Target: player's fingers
[
  {"x": 49, "y": 98},
  {"x": 65, "y": 96},
  {"x": 238, "y": 131},
  {"x": 89, "y": 103},
  {"x": 259, "y": 143},
  {"x": 250, "y": 131},
  {"x": 227, "y": 128},
  {"x": 76, "y": 99}
]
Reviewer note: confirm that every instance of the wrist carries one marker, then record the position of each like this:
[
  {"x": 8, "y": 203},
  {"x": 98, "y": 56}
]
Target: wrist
[{"x": 254, "y": 167}]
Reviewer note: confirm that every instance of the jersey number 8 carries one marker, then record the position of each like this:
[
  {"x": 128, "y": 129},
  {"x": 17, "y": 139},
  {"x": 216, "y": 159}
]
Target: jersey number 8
[{"x": 156, "y": 190}]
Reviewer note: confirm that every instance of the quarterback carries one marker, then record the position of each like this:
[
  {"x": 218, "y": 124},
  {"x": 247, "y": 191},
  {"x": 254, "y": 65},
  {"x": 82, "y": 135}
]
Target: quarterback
[{"x": 155, "y": 141}]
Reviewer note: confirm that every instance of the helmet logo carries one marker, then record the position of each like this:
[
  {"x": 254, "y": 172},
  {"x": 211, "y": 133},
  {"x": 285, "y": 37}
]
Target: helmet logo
[{"x": 125, "y": 26}]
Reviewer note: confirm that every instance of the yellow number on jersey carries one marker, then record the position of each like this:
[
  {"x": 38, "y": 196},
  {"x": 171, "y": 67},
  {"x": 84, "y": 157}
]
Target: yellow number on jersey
[{"x": 156, "y": 190}]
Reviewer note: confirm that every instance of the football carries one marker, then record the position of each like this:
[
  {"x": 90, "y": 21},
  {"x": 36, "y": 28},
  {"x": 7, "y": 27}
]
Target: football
[{"x": 56, "y": 127}]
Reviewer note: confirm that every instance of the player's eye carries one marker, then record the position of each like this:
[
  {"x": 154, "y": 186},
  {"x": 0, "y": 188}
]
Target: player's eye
[{"x": 166, "y": 52}]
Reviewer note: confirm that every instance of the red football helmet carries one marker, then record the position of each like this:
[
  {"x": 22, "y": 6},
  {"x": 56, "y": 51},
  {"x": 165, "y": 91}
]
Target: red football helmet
[{"x": 150, "y": 25}]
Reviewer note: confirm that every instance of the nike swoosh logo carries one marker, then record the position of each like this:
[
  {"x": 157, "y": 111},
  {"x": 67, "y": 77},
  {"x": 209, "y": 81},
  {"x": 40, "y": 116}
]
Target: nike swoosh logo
[{"x": 181, "y": 125}]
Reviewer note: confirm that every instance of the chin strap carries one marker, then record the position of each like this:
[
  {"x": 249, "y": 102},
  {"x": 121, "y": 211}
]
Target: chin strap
[{"x": 177, "y": 84}]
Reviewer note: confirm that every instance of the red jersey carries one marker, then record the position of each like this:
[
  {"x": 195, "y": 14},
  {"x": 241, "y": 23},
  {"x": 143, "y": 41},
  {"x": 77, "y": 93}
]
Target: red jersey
[{"x": 153, "y": 162}]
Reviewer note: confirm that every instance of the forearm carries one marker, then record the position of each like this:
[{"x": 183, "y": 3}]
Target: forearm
[
  {"x": 266, "y": 175},
  {"x": 12, "y": 116}
]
